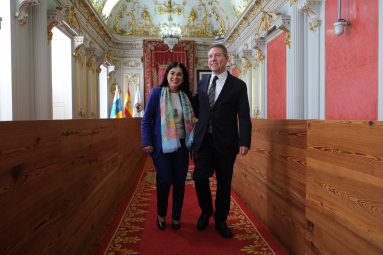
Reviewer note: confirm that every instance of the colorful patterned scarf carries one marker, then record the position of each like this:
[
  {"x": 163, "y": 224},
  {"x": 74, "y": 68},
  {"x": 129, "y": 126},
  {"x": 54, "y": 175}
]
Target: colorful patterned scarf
[{"x": 170, "y": 141}]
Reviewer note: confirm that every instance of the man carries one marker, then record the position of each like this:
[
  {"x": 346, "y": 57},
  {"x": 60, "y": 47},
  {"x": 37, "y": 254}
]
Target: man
[{"x": 223, "y": 105}]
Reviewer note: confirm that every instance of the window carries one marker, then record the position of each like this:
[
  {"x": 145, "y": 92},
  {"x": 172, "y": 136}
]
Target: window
[
  {"x": 5, "y": 63},
  {"x": 103, "y": 80},
  {"x": 61, "y": 75}
]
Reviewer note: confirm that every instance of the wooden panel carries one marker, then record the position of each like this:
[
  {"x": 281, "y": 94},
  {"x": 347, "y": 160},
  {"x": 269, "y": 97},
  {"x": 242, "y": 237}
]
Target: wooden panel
[
  {"x": 345, "y": 187},
  {"x": 62, "y": 182},
  {"x": 271, "y": 179}
]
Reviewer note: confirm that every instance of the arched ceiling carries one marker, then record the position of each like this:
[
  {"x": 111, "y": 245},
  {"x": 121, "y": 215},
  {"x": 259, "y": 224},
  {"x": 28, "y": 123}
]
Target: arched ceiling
[{"x": 197, "y": 18}]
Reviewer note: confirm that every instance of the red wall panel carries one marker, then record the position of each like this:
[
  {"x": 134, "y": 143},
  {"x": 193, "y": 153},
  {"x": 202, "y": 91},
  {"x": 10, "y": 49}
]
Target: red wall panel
[
  {"x": 276, "y": 78},
  {"x": 352, "y": 61}
]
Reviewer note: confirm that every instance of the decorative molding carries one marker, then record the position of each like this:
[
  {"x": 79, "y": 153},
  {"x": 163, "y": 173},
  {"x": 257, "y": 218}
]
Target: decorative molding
[
  {"x": 246, "y": 65},
  {"x": 132, "y": 63},
  {"x": 100, "y": 60},
  {"x": 202, "y": 63},
  {"x": 51, "y": 25},
  {"x": 259, "y": 57},
  {"x": 115, "y": 86},
  {"x": 77, "y": 42},
  {"x": 253, "y": 16},
  {"x": 133, "y": 79},
  {"x": 312, "y": 9},
  {"x": 90, "y": 61},
  {"x": 22, "y": 9},
  {"x": 92, "y": 18},
  {"x": 283, "y": 23}
]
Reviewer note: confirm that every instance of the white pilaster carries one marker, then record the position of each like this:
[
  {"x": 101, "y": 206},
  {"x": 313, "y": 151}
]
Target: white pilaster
[
  {"x": 380, "y": 65},
  {"x": 295, "y": 68},
  {"x": 313, "y": 59},
  {"x": 259, "y": 78},
  {"x": 41, "y": 63},
  {"x": 246, "y": 73}
]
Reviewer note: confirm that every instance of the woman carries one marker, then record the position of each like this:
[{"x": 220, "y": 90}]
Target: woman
[{"x": 165, "y": 128}]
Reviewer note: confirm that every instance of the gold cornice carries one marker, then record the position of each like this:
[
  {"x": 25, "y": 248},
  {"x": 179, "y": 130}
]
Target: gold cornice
[
  {"x": 248, "y": 17},
  {"x": 92, "y": 18},
  {"x": 253, "y": 12}
]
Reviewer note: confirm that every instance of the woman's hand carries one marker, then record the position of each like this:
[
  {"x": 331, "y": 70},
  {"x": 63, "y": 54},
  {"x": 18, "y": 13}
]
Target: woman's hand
[{"x": 148, "y": 149}]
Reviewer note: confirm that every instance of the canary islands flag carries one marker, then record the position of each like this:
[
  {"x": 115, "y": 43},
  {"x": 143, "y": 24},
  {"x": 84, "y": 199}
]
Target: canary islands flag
[
  {"x": 116, "y": 111},
  {"x": 128, "y": 109}
]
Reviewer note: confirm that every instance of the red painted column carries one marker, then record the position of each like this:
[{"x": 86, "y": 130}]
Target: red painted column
[{"x": 276, "y": 78}]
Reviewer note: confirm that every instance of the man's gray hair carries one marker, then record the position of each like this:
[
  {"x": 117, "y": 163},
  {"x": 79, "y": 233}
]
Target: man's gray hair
[{"x": 220, "y": 46}]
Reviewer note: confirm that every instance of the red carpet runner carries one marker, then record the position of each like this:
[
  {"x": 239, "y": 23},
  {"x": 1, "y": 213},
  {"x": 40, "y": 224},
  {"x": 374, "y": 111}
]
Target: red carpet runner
[{"x": 137, "y": 232}]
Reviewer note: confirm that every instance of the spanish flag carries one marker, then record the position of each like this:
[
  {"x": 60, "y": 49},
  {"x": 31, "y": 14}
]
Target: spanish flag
[
  {"x": 128, "y": 109},
  {"x": 116, "y": 111}
]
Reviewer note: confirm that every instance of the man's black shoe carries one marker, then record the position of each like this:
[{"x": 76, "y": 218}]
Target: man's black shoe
[
  {"x": 203, "y": 221},
  {"x": 223, "y": 229}
]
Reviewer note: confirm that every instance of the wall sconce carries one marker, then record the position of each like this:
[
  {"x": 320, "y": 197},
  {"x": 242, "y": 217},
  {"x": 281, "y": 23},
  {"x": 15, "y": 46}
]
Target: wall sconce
[{"x": 341, "y": 23}]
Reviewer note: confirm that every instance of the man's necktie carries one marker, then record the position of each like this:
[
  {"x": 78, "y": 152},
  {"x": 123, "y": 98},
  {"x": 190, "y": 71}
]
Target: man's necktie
[{"x": 211, "y": 93}]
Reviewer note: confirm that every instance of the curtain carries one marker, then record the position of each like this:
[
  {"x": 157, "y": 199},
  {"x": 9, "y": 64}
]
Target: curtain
[{"x": 157, "y": 57}]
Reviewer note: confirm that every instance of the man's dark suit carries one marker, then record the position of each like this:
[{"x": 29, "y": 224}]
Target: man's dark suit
[{"x": 217, "y": 151}]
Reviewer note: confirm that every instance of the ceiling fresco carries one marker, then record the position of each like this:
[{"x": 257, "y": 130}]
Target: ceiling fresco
[{"x": 197, "y": 18}]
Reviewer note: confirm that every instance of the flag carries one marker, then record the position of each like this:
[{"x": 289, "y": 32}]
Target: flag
[
  {"x": 116, "y": 111},
  {"x": 128, "y": 109},
  {"x": 138, "y": 109}
]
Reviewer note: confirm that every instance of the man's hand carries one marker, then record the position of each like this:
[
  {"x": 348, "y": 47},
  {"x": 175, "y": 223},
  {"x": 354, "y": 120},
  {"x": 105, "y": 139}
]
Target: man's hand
[{"x": 243, "y": 150}]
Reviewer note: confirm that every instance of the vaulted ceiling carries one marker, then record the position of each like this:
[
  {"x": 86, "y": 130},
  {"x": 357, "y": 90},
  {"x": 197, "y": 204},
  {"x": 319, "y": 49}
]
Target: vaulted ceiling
[{"x": 197, "y": 18}]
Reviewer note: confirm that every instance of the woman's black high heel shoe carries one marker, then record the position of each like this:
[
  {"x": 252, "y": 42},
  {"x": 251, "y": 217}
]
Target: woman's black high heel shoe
[{"x": 161, "y": 224}]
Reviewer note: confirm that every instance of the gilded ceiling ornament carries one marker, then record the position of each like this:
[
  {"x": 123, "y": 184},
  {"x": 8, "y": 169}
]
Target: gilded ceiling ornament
[
  {"x": 169, "y": 7},
  {"x": 99, "y": 5},
  {"x": 293, "y": 2},
  {"x": 193, "y": 15},
  {"x": 133, "y": 28}
]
